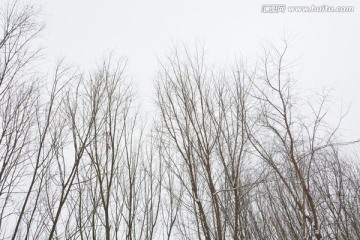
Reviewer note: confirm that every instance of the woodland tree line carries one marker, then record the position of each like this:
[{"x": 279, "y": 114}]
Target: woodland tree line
[{"x": 231, "y": 153}]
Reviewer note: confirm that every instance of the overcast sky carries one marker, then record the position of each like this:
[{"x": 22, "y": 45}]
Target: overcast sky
[{"x": 328, "y": 44}]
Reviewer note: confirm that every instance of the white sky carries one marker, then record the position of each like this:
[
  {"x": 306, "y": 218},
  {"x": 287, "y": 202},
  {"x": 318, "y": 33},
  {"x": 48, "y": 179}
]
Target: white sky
[{"x": 84, "y": 31}]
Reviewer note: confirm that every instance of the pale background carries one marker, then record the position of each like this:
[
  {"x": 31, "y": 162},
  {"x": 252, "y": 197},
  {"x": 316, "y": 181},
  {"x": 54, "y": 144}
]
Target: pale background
[{"x": 328, "y": 44}]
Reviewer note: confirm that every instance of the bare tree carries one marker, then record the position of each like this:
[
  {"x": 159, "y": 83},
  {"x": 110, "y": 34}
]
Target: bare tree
[
  {"x": 117, "y": 188},
  {"x": 203, "y": 116},
  {"x": 291, "y": 141},
  {"x": 19, "y": 98},
  {"x": 241, "y": 144},
  {"x": 232, "y": 154}
]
